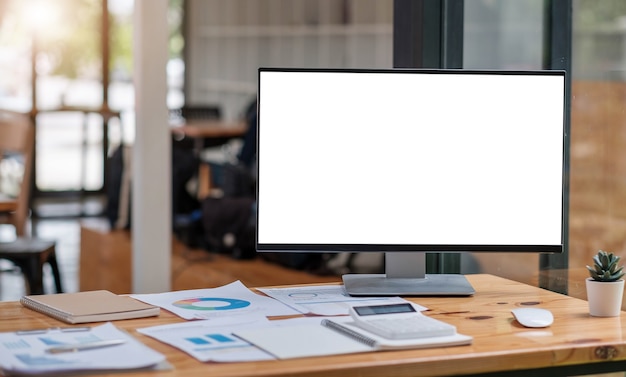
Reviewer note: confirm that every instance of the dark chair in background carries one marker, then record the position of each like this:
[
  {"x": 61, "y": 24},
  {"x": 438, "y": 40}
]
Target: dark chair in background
[
  {"x": 16, "y": 159},
  {"x": 30, "y": 255}
]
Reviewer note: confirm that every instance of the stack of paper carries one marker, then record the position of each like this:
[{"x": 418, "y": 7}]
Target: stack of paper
[
  {"x": 306, "y": 337},
  {"x": 33, "y": 351}
]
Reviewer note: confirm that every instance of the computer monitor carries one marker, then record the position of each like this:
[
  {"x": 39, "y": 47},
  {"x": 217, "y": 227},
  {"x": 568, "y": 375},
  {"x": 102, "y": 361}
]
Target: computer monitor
[{"x": 409, "y": 161}]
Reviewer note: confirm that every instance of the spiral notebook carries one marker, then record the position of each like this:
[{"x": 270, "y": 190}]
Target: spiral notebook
[
  {"x": 89, "y": 306},
  {"x": 333, "y": 336}
]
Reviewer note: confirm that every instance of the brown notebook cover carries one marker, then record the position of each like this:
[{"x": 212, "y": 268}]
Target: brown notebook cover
[{"x": 89, "y": 306}]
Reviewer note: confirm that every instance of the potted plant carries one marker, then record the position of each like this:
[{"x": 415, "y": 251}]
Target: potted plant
[{"x": 605, "y": 286}]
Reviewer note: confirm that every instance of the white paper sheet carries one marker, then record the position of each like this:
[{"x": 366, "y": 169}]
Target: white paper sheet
[
  {"x": 25, "y": 352},
  {"x": 212, "y": 340},
  {"x": 306, "y": 337},
  {"x": 326, "y": 299},
  {"x": 229, "y": 300}
]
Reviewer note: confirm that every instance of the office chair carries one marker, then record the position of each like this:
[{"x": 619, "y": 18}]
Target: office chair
[{"x": 16, "y": 161}]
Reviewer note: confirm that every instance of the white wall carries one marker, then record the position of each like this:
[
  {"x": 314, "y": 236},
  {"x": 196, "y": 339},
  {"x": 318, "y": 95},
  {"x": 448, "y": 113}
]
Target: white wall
[{"x": 229, "y": 39}]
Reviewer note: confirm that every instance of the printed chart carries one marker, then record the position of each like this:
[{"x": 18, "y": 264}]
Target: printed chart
[
  {"x": 27, "y": 352},
  {"x": 226, "y": 301},
  {"x": 324, "y": 299},
  {"x": 211, "y": 340},
  {"x": 211, "y": 303}
]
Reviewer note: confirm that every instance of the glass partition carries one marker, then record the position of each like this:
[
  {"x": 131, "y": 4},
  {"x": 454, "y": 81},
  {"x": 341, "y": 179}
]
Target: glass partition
[
  {"x": 598, "y": 146},
  {"x": 511, "y": 35},
  {"x": 503, "y": 35}
]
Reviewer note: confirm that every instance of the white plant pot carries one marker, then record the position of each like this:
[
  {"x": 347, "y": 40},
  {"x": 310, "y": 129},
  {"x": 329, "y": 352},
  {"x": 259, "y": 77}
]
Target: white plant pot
[{"x": 605, "y": 298}]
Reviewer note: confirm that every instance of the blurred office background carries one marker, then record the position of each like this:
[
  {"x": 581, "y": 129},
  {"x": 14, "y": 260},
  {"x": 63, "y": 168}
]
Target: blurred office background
[{"x": 55, "y": 56}]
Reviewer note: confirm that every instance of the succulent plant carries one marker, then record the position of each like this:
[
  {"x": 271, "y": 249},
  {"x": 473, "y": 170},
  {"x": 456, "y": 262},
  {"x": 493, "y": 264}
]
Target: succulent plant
[{"x": 605, "y": 267}]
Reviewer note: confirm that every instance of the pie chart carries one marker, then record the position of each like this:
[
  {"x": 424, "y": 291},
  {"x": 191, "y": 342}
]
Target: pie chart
[{"x": 211, "y": 303}]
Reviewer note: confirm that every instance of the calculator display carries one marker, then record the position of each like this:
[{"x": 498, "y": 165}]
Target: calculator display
[{"x": 383, "y": 309}]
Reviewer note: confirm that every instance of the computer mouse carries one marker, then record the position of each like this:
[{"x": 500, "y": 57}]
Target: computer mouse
[{"x": 533, "y": 317}]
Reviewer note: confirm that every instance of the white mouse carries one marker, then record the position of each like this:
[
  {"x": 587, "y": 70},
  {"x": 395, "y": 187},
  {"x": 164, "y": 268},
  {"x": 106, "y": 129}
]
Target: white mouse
[{"x": 533, "y": 317}]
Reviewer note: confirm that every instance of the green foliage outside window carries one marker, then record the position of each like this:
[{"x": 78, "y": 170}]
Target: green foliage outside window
[{"x": 68, "y": 34}]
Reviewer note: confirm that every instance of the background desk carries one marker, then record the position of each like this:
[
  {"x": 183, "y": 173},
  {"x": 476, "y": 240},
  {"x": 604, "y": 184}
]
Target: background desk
[
  {"x": 201, "y": 130},
  {"x": 575, "y": 344},
  {"x": 213, "y": 132},
  {"x": 7, "y": 203}
]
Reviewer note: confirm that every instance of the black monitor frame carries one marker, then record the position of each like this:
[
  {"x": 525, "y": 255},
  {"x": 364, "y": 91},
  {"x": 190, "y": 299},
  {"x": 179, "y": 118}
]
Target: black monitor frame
[{"x": 405, "y": 272}]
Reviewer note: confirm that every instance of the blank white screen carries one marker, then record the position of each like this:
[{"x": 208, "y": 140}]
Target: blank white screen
[{"x": 383, "y": 158}]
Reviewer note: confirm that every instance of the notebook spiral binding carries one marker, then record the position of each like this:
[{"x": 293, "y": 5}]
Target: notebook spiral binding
[
  {"x": 349, "y": 332},
  {"x": 41, "y": 308}
]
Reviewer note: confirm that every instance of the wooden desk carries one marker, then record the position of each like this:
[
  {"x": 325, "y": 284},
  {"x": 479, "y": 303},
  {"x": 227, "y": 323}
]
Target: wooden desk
[
  {"x": 207, "y": 129},
  {"x": 7, "y": 204},
  {"x": 575, "y": 344}
]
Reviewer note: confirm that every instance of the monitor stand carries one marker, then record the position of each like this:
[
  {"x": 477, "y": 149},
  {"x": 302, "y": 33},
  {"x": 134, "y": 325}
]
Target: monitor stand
[{"x": 405, "y": 275}]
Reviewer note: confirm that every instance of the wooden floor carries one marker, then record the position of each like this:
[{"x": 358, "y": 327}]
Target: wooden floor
[
  {"x": 105, "y": 263},
  {"x": 196, "y": 269}
]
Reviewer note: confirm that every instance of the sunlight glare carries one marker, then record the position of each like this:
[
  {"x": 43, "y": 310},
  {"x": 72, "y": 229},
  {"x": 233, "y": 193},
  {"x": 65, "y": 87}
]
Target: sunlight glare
[{"x": 39, "y": 15}]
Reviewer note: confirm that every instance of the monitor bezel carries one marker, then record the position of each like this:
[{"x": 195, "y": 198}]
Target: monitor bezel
[{"x": 438, "y": 248}]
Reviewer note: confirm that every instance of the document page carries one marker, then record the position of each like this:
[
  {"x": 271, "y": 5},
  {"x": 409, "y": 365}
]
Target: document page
[
  {"x": 326, "y": 299},
  {"x": 212, "y": 340},
  {"x": 306, "y": 337},
  {"x": 301, "y": 337},
  {"x": 29, "y": 351},
  {"x": 229, "y": 300}
]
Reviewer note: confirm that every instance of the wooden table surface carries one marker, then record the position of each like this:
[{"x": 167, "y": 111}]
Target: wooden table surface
[
  {"x": 209, "y": 128},
  {"x": 7, "y": 203},
  {"x": 574, "y": 340}
]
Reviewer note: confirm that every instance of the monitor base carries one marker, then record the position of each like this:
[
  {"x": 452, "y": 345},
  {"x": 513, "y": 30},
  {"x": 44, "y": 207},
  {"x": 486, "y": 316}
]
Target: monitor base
[{"x": 430, "y": 285}]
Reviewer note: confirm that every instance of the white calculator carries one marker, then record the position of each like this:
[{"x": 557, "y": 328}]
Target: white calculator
[{"x": 399, "y": 321}]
